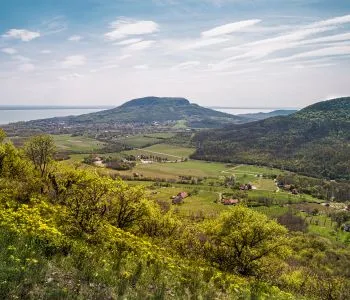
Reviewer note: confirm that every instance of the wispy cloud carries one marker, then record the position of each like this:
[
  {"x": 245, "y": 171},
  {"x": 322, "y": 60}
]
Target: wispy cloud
[
  {"x": 21, "y": 58},
  {"x": 141, "y": 67},
  {"x": 128, "y": 42},
  {"x": 200, "y": 43},
  {"x": 329, "y": 38},
  {"x": 45, "y": 51},
  {"x": 125, "y": 56},
  {"x": 73, "y": 61},
  {"x": 107, "y": 67},
  {"x": 186, "y": 65},
  {"x": 330, "y": 51},
  {"x": 229, "y": 28},
  {"x": 54, "y": 25},
  {"x": 140, "y": 45},
  {"x": 70, "y": 76},
  {"x": 9, "y": 51},
  {"x": 331, "y": 22},
  {"x": 75, "y": 38},
  {"x": 124, "y": 28},
  {"x": 26, "y": 67},
  {"x": 22, "y": 34}
]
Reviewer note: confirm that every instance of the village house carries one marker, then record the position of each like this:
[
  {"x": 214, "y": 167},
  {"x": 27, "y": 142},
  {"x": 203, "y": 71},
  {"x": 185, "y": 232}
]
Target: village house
[{"x": 179, "y": 198}]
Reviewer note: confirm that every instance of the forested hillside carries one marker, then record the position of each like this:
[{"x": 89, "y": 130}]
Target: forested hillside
[
  {"x": 68, "y": 232},
  {"x": 313, "y": 141}
]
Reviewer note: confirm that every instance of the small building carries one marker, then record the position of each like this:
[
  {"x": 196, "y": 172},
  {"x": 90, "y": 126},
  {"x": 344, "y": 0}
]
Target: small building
[
  {"x": 183, "y": 195},
  {"x": 179, "y": 198}
]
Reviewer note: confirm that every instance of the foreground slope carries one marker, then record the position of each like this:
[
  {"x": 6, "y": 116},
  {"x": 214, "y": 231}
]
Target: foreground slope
[{"x": 312, "y": 141}]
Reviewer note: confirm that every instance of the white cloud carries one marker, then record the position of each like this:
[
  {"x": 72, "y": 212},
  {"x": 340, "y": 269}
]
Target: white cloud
[
  {"x": 331, "y": 22},
  {"x": 9, "y": 51},
  {"x": 74, "y": 61},
  {"x": 204, "y": 43},
  {"x": 22, "y": 34},
  {"x": 125, "y": 28},
  {"x": 128, "y": 42},
  {"x": 265, "y": 47},
  {"x": 243, "y": 71},
  {"x": 75, "y": 38},
  {"x": 70, "y": 76},
  {"x": 107, "y": 67},
  {"x": 140, "y": 45},
  {"x": 323, "y": 52},
  {"x": 186, "y": 65},
  {"x": 329, "y": 38},
  {"x": 21, "y": 58},
  {"x": 26, "y": 67},
  {"x": 302, "y": 66},
  {"x": 141, "y": 67},
  {"x": 125, "y": 56},
  {"x": 229, "y": 28},
  {"x": 45, "y": 51}
]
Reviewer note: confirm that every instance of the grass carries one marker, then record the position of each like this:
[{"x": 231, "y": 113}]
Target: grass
[
  {"x": 138, "y": 141},
  {"x": 256, "y": 170},
  {"x": 174, "y": 170},
  {"x": 202, "y": 203},
  {"x": 144, "y": 140},
  {"x": 281, "y": 197},
  {"x": 77, "y": 144},
  {"x": 167, "y": 150},
  {"x": 322, "y": 225},
  {"x": 180, "y": 124},
  {"x": 272, "y": 211}
]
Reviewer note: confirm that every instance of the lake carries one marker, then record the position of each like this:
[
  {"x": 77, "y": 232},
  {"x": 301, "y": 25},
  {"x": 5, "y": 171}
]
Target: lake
[{"x": 16, "y": 115}]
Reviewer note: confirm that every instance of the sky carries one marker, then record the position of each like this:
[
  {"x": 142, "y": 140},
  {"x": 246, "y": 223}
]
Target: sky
[{"x": 233, "y": 53}]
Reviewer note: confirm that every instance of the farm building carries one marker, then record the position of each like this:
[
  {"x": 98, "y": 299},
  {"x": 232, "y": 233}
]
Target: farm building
[{"x": 179, "y": 198}]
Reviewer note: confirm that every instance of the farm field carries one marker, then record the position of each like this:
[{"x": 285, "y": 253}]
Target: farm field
[
  {"x": 139, "y": 141},
  {"x": 169, "y": 170},
  {"x": 144, "y": 140},
  {"x": 77, "y": 144},
  {"x": 171, "y": 152}
]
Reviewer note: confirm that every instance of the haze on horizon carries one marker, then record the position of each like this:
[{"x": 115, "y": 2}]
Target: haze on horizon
[{"x": 232, "y": 53}]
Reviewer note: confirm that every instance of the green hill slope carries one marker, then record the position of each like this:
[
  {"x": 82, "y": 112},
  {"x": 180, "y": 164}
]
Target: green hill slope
[{"x": 314, "y": 141}]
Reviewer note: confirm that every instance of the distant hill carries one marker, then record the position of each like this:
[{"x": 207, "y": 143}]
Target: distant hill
[
  {"x": 155, "y": 109},
  {"x": 314, "y": 141},
  {"x": 261, "y": 116}
]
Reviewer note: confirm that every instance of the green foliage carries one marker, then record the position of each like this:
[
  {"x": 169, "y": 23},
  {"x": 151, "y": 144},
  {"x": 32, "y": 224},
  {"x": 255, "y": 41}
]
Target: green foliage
[
  {"x": 40, "y": 150},
  {"x": 2, "y": 135},
  {"x": 242, "y": 240}
]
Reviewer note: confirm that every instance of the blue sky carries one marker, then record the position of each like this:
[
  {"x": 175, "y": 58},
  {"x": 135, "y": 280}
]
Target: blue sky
[{"x": 215, "y": 52}]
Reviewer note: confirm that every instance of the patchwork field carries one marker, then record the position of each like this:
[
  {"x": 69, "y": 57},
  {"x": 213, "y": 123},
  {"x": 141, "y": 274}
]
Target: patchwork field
[
  {"x": 77, "y": 144},
  {"x": 171, "y": 152},
  {"x": 140, "y": 141}
]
